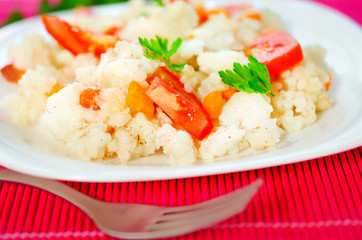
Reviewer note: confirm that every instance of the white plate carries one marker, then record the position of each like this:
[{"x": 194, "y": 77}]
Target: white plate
[{"x": 336, "y": 130}]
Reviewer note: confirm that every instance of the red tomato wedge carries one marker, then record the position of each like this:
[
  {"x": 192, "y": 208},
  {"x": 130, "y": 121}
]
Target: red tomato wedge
[
  {"x": 75, "y": 39},
  {"x": 184, "y": 108},
  {"x": 278, "y": 50},
  {"x": 11, "y": 73}
]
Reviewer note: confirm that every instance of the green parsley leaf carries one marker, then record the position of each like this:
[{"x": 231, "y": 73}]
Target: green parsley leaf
[
  {"x": 158, "y": 49},
  {"x": 253, "y": 78},
  {"x": 159, "y": 2}
]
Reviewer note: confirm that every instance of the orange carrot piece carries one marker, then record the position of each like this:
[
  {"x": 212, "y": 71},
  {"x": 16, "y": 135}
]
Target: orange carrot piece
[
  {"x": 227, "y": 94},
  {"x": 11, "y": 73},
  {"x": 218, "y": 11},
  {"x": 254, "y": 15},
  {"x": 88, "y": 99},
  {"x": 205, "y": 15},
  {"x": 138, "y": 101},
  {"x": 213, "y": 103},
  {"x": 56, "y": 88},
  {"x": 327, "y": 85}
]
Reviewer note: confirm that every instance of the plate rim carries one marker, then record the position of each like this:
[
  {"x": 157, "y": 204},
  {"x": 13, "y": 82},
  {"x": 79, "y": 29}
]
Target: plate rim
[{"x": 219, "y": 167}]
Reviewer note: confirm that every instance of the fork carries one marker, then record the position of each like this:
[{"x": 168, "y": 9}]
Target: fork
[{"x": 139, "y": 221}]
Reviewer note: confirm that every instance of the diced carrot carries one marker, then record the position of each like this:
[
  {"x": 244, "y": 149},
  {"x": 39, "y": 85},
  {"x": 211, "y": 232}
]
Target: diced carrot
[
  {"x": 202, "y": 14},
  {"x": 138, "y": 101},
  {"x": 11, "y": 73},
  {"x": 213, "y": 103},
  {"x": 56, "y": 88},
  {"x": 205, "y": 15},
  {"x": 327, "y": 85},
  {"x": 254, "y": 15},
  {"x": 218, "y": 11},
  {"x": 88, "y": 98},
  {"x": 227, "y": 94},
  {"x": 110, "y": 130}
]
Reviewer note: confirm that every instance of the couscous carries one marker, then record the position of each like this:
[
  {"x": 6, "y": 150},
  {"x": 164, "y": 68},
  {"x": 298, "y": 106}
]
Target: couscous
[{"x": 194, "y": 83}]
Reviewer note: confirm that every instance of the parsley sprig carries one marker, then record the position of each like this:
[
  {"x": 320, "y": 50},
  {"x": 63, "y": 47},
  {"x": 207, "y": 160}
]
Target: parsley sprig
[
  {"x": 158, "y": 49},
  {"x": 251, "y": 78},
  {"x": 159, "y": 2}
]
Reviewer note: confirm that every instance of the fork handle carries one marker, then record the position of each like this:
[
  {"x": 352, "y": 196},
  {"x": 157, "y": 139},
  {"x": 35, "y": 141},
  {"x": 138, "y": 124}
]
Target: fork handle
[{"x": 77, "y": 198}]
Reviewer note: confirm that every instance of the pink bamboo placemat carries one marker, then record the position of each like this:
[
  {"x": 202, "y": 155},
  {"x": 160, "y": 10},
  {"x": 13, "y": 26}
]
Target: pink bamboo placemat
[{"x": 316, "y": 199}]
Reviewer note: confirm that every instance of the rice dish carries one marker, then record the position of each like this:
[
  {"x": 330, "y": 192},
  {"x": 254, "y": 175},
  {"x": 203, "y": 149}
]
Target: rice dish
[{"x": 108, "y": 123}]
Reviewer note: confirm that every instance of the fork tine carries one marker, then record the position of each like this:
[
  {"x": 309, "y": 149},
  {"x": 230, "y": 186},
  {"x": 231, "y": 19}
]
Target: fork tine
[
  {"x": 204, "y": 217},
  {"x": 212, "y": 202}
]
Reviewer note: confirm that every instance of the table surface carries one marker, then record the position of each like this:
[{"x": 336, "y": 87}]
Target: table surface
[{"x": 316, "y": 199}]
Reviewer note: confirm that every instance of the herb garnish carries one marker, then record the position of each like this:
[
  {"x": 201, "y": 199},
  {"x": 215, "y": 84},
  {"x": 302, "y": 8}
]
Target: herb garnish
[
  {"x": 157, "y": 49},
  {"x": 251, "y": 78},
  {"x": 159, "y": 2}
]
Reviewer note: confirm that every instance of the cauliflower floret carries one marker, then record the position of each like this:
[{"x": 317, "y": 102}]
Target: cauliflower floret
[
  {"x": 123, "y": 144},
  {"x": 211, "y": 83},
  {"x": 85, "y": 132},
  {"x": 225, "y": 140},
  {"x": 191, "y": 78},
  {"x": 118, "y": 67},
  {"x": 35, "y": 86},
  {"x": 213, "y": 62},
  {"x": 144, "y": 132},
  {"x": 33, "y": 51},
  {"x": 96, "y": 23},
  {"x": 301, "y": 92},
  {"x": 217, "y": 33},
  {"x": 179, "y": 145},
  {"x": 174, "y": 20},
  {"x": 69, "y": 63},
  {"x": 247, "y": 31},
  {"x": 251, "y": 112}
]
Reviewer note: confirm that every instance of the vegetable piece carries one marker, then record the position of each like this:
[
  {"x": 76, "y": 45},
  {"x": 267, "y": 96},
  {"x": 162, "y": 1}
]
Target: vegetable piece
[
  {"x": 138, "y": 101},
  {"x": 113, "y": 31},
  {"x": 213, "y": 103},
  {"x": 227, "y": 94},
  {"x": 278, "y": 50},
  {"x": 327, "y": 85},
  {"x": 88, "y": 98},
  {"x": 56, "y": 88},
  {"x": 159, "y": 2},
  {"x": 75, "y": 39},
  {"x": 11, "y": 73},
  {"x": 168, "y": 93},
  {"x": 204, "y": 15},
  {"x": 253, "y": 78},
  {"x": 254, "y": 15},
  {"x": 157, "y": 49}
]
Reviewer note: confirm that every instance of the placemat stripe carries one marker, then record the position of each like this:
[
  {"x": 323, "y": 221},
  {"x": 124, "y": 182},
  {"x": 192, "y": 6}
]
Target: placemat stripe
[{"x": 314, "y": 199}]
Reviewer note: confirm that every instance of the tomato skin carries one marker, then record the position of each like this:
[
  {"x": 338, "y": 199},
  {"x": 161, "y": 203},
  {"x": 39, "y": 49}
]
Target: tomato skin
[
  {"x": 75, "y": 39},
  {"x": 278, "y": 50},
  {"x": 68, "y": 36},
  {"x": 179, "y": 105},
  {"x": 11, "y": 73}
]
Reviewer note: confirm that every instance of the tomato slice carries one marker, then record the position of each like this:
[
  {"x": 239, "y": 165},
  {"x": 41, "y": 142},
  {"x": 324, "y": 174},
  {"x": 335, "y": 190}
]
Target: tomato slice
[
  {"x": 183, "y": 107},
  {"x": 11, "y": 73},
  {"x": 278, "y": 50},
  {"x": 75, "y": 39}
]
